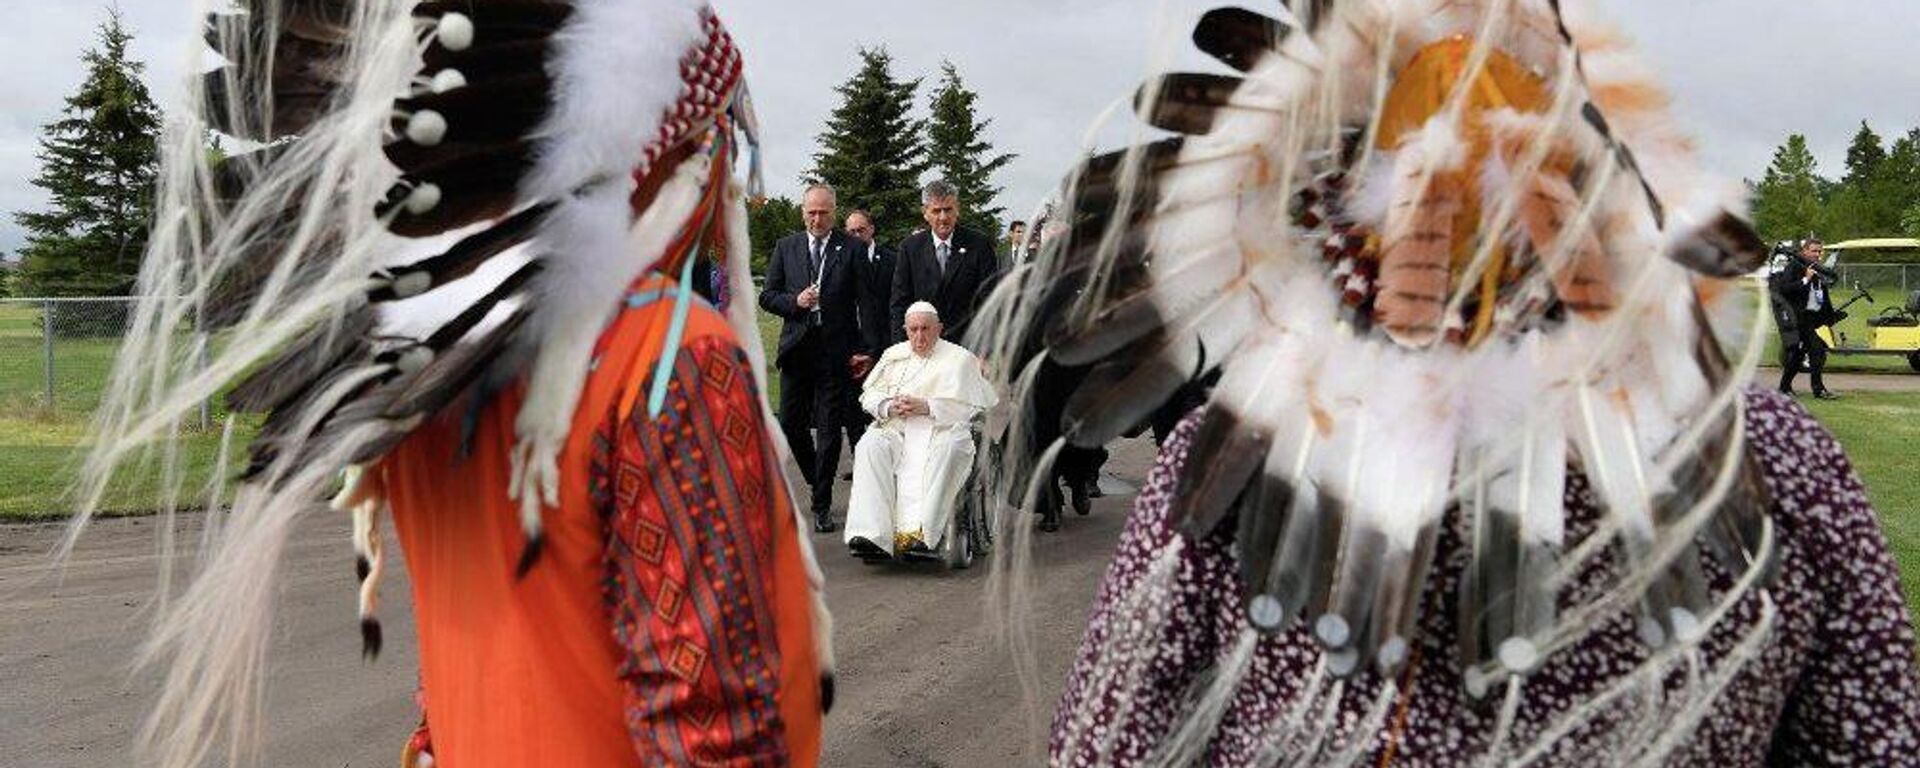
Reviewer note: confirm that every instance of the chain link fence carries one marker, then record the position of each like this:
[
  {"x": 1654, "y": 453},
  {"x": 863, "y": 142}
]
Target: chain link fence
[
  {"x": 1888, "y": 285},
  {"x": 57, "y": 354}
]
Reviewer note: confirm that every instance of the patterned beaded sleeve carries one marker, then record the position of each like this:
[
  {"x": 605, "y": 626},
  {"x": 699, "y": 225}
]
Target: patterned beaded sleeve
[
  {"x": 1856, "y": 700},
  {"x": 1834, "y": 684},
  {"x": 691, "y": 539}
]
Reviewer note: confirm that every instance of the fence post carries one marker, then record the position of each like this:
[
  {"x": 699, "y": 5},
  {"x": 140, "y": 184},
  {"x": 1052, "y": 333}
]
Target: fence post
[
  {"x": 46, "y": 332},
  {"x": 200, "y": 360}
]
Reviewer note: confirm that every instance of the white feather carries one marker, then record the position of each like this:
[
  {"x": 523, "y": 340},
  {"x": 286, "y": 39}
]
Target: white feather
[{"x": 616, "y": 73}]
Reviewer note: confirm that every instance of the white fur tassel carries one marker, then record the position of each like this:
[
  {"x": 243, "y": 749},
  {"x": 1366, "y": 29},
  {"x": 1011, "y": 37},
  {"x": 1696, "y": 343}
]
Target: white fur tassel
[{"x": 362, "y": 496}]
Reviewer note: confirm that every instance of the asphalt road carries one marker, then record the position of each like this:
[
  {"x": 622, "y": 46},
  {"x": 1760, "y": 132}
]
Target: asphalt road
[{"x": 922, "y": 681}]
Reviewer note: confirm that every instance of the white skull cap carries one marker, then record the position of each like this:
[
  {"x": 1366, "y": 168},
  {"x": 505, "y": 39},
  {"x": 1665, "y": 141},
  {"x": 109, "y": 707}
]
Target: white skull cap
[{"x": 923, "y": 308}]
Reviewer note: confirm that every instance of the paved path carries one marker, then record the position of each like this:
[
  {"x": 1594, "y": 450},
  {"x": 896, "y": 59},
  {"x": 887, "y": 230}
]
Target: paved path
[
  {"x": 1849, "y": 382},
  {"x": 922, "y": 682}
]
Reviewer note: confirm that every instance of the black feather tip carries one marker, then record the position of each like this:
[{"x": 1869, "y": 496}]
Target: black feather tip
[
  {"x": 370, "y": 638},
  {"x": 362, "y": 568},
  {"x": 529, "y": 555},
  {"x": 826, "y": 693}
]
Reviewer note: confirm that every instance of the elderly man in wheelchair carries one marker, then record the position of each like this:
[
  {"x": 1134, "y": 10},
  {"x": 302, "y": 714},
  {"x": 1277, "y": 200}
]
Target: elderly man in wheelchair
[{"x": 912, "y": 472}]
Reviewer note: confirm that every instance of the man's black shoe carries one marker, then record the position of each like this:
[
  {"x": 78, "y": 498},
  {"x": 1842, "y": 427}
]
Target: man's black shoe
[
  {"x": 1050, "y": 522},
  {"x": 1081, "y": 504},
  {"x": 824, "y": 524},
  {"x": 1825, "y": 395},
  {"x": 866, "y": 550},
  {"x": 1788, "y": 391}
]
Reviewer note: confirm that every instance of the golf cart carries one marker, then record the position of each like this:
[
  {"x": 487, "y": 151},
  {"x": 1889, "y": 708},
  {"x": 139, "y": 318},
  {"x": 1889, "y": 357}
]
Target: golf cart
[{"x": 1895, "y": 329}]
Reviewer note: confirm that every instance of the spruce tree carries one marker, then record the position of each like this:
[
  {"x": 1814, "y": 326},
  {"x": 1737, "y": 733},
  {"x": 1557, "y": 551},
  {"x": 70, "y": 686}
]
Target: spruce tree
[
  {"x": 1864, "y": 155},
  {"x": 98, "y": 161},
  {"x": 872, "y": 150},
  {"x": 767, "y": 222},
  {"x": 1786, "y": 202},
  {"x": 961, "y": 154}
]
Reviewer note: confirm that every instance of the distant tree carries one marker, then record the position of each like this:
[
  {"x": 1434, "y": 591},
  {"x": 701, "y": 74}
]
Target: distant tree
[
  {"x": 1896, "y": 184},
  {"x": 98, "y": 164},
  {"x": 961, "y": 154},
  {"x": 873, "y": 151},
  {"x": 767, "y": 222},
  {"x": 1864, "y": 155},
  {"x": 1786, "y": 202}
]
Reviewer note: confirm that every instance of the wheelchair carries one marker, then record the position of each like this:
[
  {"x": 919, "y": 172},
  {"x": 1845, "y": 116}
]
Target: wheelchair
[{"x": 969, "y": 530}]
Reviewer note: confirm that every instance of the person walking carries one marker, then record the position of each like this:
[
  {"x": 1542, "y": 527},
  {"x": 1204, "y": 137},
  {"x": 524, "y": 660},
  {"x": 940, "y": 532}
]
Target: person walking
[
  {"x": 813, "y": 284},
  {"x": 1802, "y": 305}
]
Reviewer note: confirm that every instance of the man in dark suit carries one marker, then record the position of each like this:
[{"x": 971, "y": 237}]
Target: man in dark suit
[
  {"x": 1802, "y": 305},
  {"x": 813, "y": 282},
  {"x": 876, "y": 288},
  {"x": 950, "y": 267},
  {"x": 875, "y": 263}
]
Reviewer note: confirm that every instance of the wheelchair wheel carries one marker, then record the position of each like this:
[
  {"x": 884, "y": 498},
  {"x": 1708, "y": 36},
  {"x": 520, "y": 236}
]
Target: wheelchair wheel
[{"x": 959, "y": 548}]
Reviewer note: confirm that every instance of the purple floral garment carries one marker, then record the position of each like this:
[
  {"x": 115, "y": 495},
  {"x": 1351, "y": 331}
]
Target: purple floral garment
[{"x": 1834, "y": 685}]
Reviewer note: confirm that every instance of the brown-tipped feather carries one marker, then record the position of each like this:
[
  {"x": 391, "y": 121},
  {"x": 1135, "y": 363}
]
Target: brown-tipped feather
[
  {"x": 1187, "y": 102},
  {"x": 1726, "y": 247},
  {"x": 468, "y": 254},
  {"x": 1239, "y": 37},
  {"x": 307, "y": 41},
  {"x": 1228, "y": 452},
  {"x": 1582, "y": 278},
  {"x": 1416, "y": 255}
]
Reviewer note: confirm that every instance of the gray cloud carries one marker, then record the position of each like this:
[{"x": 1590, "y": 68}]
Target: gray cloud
[{"x": 1746, "y": 72}]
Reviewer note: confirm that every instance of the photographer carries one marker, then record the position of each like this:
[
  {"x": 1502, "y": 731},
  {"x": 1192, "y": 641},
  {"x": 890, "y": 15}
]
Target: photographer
[{"x": 1801, "y": 305}]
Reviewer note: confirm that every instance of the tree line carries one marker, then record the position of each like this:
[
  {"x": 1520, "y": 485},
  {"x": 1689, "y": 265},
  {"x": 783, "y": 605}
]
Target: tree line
[
  {"x": 876, "y": 153},
  {"x": 99, "y": 161},
  {"x": 1877, "y": 196}
]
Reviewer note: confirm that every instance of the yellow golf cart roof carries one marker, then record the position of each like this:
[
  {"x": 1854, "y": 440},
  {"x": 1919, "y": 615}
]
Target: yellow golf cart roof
[{"x": 1878, "y": 244}]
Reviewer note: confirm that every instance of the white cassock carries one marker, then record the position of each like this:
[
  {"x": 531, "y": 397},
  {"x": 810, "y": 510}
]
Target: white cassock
[{"x": 907, "y": 472}]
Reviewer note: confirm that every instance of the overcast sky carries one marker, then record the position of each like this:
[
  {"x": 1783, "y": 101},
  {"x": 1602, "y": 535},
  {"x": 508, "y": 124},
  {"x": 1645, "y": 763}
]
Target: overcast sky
[{"x": 1747, "y": 72}]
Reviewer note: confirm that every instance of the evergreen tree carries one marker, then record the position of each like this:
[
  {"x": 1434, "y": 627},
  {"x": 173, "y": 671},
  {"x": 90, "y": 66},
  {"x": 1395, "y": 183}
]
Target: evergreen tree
[
  {"x": 767, "y": 222},
  {"x": 1864, "y": 155},
  {"x": 1865, "y": 203},
  {"x": 872, "y": 150},
  {"x": 98, "y": 163},
  {"x": 962, "y": 155},
  {"x": 1786, "y": 202},
  {"x": 1896, "y": 185}
]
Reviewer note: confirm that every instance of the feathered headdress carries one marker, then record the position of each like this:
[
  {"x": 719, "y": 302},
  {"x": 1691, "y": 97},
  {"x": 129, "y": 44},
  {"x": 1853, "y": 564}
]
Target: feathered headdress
[
  {"x": 448, "y": 197},
  {"x": 1438, "y": 253}
]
